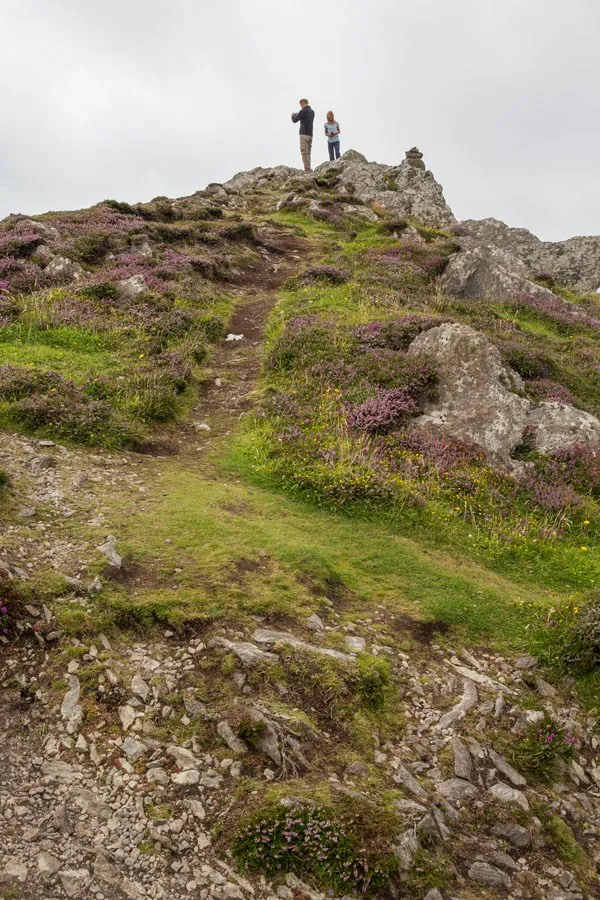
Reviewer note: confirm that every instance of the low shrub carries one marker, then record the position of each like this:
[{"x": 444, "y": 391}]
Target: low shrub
[
  {"x": 560, "y": 311},
  {"x": 328, "y": 274},
  {"x": 213, "y": 327},
  {"x": 396, "y": 334},
  {"x": 92, "y": 248},
  {"x": 73, "y": 416},
  {"x": 387, "y": 410},
  {"x": 574, "y": 631},
  {"x": 577, "y": 466},
  {"x": 540, "y": 750},
  {"x": 18, "y": 382},
  {"x": 392, "y": 226},
  {"x": 306, "y": 339},
  {"x": 530, "y": 364},
  {"x": 546, "y": 389},
  {"x": 239, "y": 231},
  {"x": 312, "y": 842}
]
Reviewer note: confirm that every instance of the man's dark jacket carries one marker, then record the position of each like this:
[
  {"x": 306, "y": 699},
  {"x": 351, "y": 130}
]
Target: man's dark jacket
[{"x": 305, "y": 117}]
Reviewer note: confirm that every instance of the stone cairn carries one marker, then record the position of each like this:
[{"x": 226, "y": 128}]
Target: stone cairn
[{"x": 415, "y": 158}]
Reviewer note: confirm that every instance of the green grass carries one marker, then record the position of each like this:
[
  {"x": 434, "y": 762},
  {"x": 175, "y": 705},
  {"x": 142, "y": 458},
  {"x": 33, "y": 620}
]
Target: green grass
[
  {"x": 60, "y": 352},
  {"x": 212, "y": 526}
]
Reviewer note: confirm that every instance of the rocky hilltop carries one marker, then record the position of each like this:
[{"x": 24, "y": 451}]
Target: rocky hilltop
[{"x": 298, "y": 560}]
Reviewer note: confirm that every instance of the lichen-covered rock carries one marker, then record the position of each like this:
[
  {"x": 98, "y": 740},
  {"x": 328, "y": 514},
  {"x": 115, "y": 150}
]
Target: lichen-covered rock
[
  {"x": 575, "y": 262},
  {"x": 132, "y": 287},
  {"x": 404, "y": 190},
  {"x": 556, "y": 425},
  {"x": 475, "y": 402},
  {"x": 62, "y": 269}
]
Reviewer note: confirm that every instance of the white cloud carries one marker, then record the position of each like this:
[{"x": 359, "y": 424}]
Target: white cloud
[{"x": 133, "y": 98}]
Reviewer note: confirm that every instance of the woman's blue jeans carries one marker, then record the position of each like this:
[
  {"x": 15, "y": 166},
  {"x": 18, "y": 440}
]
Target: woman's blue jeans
[{"x": 334, "y": 149}]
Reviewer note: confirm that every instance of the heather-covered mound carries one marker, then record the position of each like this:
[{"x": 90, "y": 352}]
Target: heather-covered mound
[
  {"x": 106, "y": 314},
  {"x": 335, "y": 632}
]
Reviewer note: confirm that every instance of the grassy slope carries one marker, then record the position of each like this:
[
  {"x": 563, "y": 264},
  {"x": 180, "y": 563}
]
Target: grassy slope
[
  {"x": 225, "y": 539},
  {"x": 444, "y": 561}
]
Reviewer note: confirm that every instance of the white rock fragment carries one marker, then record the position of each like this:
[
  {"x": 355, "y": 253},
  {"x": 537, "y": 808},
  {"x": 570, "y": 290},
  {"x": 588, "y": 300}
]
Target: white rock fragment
[
  {"x": 108, "y": 549},
  {"x": 506, "y": 794},
  {"x": 127, "y": 715}
]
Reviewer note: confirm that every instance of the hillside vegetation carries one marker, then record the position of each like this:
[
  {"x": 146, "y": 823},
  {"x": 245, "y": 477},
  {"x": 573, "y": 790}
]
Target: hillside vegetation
[{"x": 269, "y": 634}]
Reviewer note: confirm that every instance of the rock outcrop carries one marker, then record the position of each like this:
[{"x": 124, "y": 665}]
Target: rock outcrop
[
  {"x": 574, "y": 262},
  {"x": 479, "y": 399},
  {"x": 407, "y": 189}
]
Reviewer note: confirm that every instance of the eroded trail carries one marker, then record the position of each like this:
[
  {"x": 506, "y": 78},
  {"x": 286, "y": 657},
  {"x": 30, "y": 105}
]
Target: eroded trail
[{"x": 78, "y": 816}]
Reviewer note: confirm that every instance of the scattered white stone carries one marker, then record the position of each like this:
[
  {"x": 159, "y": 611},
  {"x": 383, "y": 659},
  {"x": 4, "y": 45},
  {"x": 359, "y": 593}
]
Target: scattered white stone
[
  {"x": 232, "y": 740},
  {"x": 134, "y": 749},
  {"x": 74, "y": 881},
  {"x": 480, "y": 678},
  {"x": 467, "y": 702},
  {"x": 186, "y": 778},
  {"x": 47, "y": 865},
  {"x": 108, "y": 549},
  {"x": 506, "y": 769},
  {"x": 139, "y": 687},
  {"x": 127, "y": 715},
  {"x": 355, "y": 644},
  {"x": 184, "y": 759},
  {"x": 506, "y": 794},
  {"x": 13, "y": 869},
  {"x": 457, "y": 789}
]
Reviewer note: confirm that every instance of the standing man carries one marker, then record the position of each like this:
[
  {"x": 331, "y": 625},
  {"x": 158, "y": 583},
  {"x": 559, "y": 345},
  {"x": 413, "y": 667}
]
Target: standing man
[{"x": 305, "y": 117}]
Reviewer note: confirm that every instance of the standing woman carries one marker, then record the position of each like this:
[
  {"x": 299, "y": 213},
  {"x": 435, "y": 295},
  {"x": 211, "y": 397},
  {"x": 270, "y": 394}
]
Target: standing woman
[{"x": 332, "y": 133}]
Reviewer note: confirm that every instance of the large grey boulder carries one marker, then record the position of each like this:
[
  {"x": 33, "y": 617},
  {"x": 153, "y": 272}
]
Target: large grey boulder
[
  {"x": 557, "y": 425},
  {"x": 478, "y": 399},
  {"x": 575, "y": 262},
  {"x": 406, "y": 189}
]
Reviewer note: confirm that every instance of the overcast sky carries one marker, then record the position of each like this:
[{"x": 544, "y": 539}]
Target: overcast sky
[{"x": 129, "y": 99}]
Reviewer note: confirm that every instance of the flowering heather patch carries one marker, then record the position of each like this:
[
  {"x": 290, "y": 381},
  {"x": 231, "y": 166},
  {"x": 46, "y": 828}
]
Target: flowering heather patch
[
  {"x": 387, "y": 410},
  {"x": 17, "y": 243},
  {"x": 396, "y": 334},
  {"x": 575, "y": 630},
  {"x": 554, "y": 497},
  {"x": 577, "y": 466},
  {"x": 329, "y": 274},
  {"x": 528, "y": 362},
  {"x": 429, "y": 260},
  {"x": 8, "y": 308},
  {"x": 306, "y": 339},
  {"x": 98, "y": 219},
  {"x": 310, "y": 842},
  {"x": 21, "y": 275},
  {"x": 17, "y": 382},
  {"x": 71, "y": 414},
  {"x": 393, "y": 369},
  {"x": 442, "y": 453},
  {"x": 560, "y": 311},
  {"x": 546, "y": 389},
  {"x": 539, "y": 750}
]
